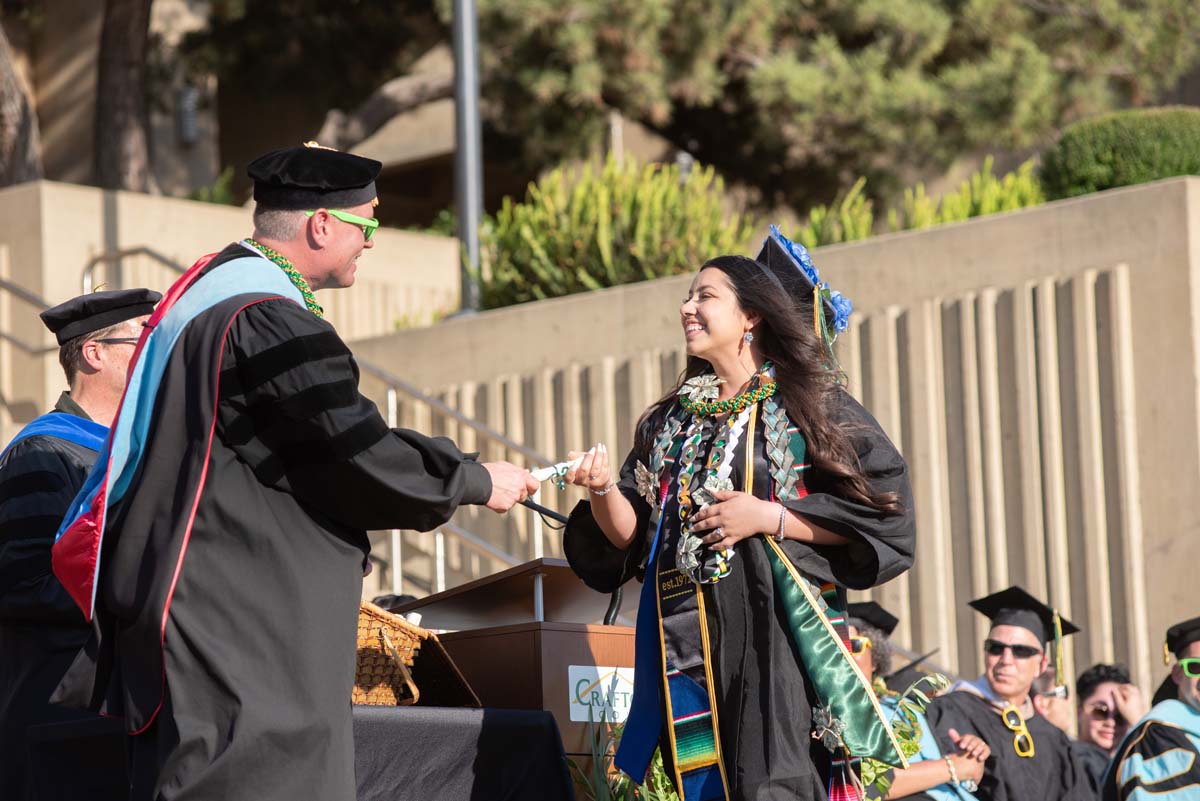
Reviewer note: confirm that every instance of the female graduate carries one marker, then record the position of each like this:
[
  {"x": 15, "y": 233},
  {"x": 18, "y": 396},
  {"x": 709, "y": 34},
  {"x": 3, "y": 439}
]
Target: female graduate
[{"x": 757, "y": 490}]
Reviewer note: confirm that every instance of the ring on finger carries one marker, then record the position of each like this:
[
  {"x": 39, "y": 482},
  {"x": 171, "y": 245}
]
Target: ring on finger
[{"x": 719, "y": 532}]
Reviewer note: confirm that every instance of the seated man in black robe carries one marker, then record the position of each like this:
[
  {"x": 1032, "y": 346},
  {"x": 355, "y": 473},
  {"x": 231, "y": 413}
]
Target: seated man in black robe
[
  {"x": 231, "y": 527},
  {"x": 1030, "y": 759},
  {"x": 1160, "y": 756},
  {"x": 41, "y": 628}
]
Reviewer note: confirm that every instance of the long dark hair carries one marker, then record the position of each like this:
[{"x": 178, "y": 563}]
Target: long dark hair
[{"x": 808, "y": 385}]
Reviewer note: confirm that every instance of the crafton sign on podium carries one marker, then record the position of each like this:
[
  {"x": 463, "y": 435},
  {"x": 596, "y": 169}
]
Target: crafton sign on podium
[{"x": 531, "y": 637}]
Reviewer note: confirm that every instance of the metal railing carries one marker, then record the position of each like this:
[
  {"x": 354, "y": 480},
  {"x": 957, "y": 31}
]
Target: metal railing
[
  {"x": 88, "y": 277},
  {"x": 39, "y": 303},
  {"x": 394, "y": 388}
]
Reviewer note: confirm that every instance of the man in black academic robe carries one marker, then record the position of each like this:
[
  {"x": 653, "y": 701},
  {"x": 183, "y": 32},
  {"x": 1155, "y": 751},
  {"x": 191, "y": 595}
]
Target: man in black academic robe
[
  {"x": 41, "y": 628},
  {"x": 1160, "y": 756},
  {"x": 230, "y": 572},
  {"x": 1030, "y": 757}
]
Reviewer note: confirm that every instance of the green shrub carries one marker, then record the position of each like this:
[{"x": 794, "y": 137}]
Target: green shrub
[
  {"x": 575, "y": 232},
  {"x": 849, "y": 218},
  {"x": 1122, "y": 149},
  {"x": 220, "y": 191},
  {"x": 981, "y": 194}
]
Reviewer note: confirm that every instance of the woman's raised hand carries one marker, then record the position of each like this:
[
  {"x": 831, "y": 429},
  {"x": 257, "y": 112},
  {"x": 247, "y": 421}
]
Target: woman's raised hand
[
  {"x": 735, "y": 516},
  {"x": 593, "y": 470}
]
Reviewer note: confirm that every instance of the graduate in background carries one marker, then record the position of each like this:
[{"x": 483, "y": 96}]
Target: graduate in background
[
  {"x": 1160, "y": 757},
  {"x": 244, "y": 471},
  {"x": 1030, "y": 758},
  {"x": 1109, "y": 703},
  {"x": 41, "y": 469},
  {"x": 945, "y": 777}
]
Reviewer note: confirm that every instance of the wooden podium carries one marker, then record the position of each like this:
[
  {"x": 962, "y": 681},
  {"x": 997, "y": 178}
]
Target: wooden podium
[{"x": 531, "y": 637}]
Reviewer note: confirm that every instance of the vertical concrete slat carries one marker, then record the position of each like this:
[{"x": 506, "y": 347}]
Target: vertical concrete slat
[
  {"x": 925, "y": 448},
  {"x": 885, "y": 405},
  {"x": 1028, "y": 448},
  {"x": 514, "y": 429},
  {"x": 1093, "y": 538},
  {"x": 1138, "y": 652},
  {"x": 977, "y": 534},
  {"x": 992, "y": 443},
  {"x": 1058, "y": 572}
]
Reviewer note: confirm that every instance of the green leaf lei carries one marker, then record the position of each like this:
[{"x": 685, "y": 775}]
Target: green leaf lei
[
  {"x": 733, "y": 405},
  {"x": 905, "y": 726},
  {"x": 292, "y": 273}
]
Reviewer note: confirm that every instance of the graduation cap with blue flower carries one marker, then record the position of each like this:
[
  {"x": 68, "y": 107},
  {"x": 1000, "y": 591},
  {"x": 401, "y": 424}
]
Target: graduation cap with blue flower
[{"x": 790, "y": 263}]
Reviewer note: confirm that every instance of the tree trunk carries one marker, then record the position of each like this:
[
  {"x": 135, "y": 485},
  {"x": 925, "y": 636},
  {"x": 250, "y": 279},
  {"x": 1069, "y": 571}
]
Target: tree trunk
[
  {"x": 343, "y": 131},
  {"x": 122, "y": 156},
  {"x": 20, "y": 145}
]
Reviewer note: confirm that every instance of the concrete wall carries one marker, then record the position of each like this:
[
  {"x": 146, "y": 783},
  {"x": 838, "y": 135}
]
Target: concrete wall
[
  {"x": 53, "y": 231},
  {"x": 1039, "y": 369}
]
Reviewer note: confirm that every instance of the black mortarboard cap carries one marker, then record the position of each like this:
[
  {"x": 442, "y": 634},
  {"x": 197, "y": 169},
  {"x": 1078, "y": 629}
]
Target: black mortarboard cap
[
  {"x": 88, "y": 313},
  {"x": 1015, "y": 607},
  {"x": 312, "y": 177},
  {"x": 1180, "y": 636},
  {"x": 902, "y": 678},
  {"x": 874, "y": 614},
  {"x": 792, "y": 267}
]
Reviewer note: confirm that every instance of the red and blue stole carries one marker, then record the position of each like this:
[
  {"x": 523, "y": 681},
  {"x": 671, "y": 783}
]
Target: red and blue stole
[{"x": 77, "y": 547}]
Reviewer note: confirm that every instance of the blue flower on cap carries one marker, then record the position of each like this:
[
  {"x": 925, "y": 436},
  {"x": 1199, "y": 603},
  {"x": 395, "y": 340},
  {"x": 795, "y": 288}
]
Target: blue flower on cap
[
  {"x": 800, "y": 254},
  {"x": 842, "y": 309}
]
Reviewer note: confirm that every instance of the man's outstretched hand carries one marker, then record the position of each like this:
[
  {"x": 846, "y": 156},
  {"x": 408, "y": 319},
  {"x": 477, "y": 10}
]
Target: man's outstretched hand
[{"x": 510, "y": 485}]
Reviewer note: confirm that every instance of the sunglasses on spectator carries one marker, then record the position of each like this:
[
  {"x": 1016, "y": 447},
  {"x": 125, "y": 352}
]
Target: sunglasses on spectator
[
  {"x": 860, "y": 644},
  {"x": 996, "y": 648},
  {"x": 367, "y": 224},
  {"x": 1100, "y": 711},
  {"x": 1022, "y": 739},
  {"x": 1190, "y": 666}
]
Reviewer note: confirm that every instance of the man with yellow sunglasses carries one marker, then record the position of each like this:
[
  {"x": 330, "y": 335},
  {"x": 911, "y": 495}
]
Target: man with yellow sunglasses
[
  {"x": 1160, "y": 757},
  {"x": 1030, "y": 757}
]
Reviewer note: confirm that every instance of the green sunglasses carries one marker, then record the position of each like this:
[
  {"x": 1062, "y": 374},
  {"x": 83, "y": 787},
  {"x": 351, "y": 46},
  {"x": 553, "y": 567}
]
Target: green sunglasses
[
  {"x": 1190, "y": 666},
  {"x": 368, "y": 225}
]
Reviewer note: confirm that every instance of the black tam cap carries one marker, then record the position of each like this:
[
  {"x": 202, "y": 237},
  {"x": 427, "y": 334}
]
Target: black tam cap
[
  {"x": 312, "y": 177},
  {"x": 1015, "y": 607},
  {"x": 873, "y": 614},
  {"x": 1180, "y": 636},
  {"x": 88, "y": 313}
]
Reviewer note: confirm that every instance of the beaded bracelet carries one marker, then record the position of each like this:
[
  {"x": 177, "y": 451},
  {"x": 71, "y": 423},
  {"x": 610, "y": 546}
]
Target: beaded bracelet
[
  {"x": 604, "y": 491},
  {"x": 778, "y": 535},
  {"x": 950, "y": 767}
]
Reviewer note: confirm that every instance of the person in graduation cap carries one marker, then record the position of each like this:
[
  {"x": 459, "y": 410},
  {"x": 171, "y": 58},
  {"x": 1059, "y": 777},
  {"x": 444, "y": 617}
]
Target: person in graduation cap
[
  {"x": 1160, "y": 756},
  {"x": 946, "y": 777},
  {"x": 41, "y": 469},
  {"x": 1030, "y": 757},
  {"x": 757, "y": 490},
  {"x": 243, "y": 473}
]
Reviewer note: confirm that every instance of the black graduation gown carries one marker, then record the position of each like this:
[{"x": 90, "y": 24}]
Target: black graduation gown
[
  {"x": 41, "y": 629},
  {"x": 244, "y": 690},
  {"x": 1051, "y": 774},
  {"x": 1149, "y": 740},
  {"x": 1094, "y": 761},
  {"x": 764, "y": 700}
]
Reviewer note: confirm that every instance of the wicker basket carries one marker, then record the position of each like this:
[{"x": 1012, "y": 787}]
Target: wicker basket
[{"x": 387, "y": 648}]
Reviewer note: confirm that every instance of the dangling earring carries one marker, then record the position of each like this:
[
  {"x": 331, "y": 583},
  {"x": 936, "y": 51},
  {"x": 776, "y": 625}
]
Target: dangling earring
[{"x": 748, "y": 337}]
